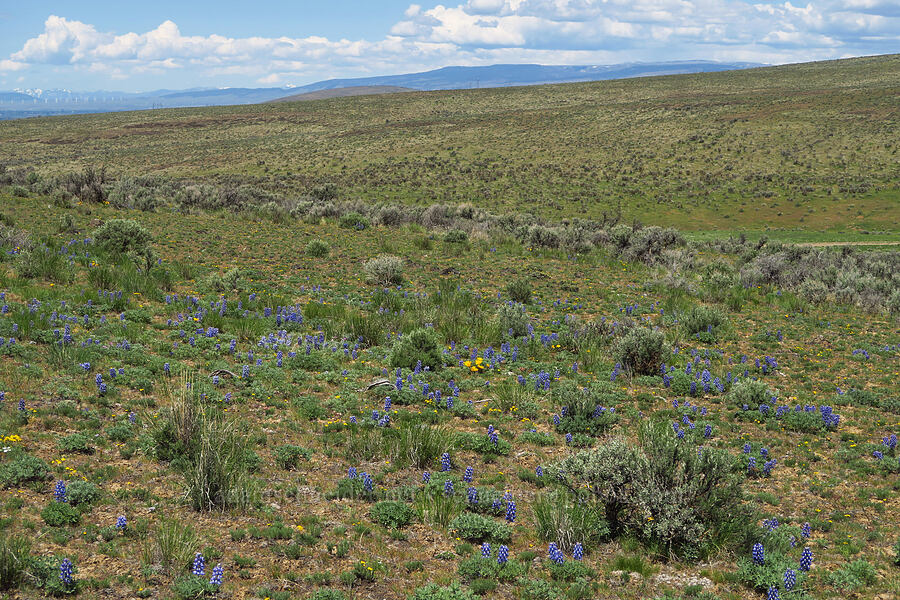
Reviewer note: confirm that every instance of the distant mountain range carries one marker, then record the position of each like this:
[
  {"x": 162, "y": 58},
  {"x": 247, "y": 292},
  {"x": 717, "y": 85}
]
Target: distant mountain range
[{"x": 30, "y": 103}]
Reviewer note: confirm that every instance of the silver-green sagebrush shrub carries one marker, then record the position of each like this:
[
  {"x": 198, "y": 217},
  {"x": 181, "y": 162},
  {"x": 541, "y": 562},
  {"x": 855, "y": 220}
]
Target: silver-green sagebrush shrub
[
  {"x": 513, "y": 319},
  {"x": 126, "y": 237},
  {"x": 677, "y": 500},
  {"x": 749, "y": 393},
  {"x": 385, "y": 269},
  {"x": 419, "y": 345},
  {"x": 642, "y": 350}
]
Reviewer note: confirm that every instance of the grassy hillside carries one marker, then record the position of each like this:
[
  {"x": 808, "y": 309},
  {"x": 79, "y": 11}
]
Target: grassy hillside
[
  {"x": 211, "y": 392},
  {"x": 280, "y": 334},
  {"x": 810, "y": 147},
  {"x": 343, "y": 92}
]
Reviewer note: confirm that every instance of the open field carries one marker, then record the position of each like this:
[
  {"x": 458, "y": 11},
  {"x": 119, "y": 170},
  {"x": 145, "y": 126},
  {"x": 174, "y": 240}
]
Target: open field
[
  {"x": 260, "y": 363},
  {"x": 212, "y": 304},
  {"x": 810, "y": 146}
]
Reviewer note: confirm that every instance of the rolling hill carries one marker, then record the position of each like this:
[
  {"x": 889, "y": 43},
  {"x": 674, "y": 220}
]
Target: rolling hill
[
  {"x": 343, "y": 92},
  {"x": 809, "y": 146}
]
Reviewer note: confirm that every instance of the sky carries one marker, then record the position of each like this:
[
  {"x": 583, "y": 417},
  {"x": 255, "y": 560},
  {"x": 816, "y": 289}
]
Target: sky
[{"x": 142, "y": 46}]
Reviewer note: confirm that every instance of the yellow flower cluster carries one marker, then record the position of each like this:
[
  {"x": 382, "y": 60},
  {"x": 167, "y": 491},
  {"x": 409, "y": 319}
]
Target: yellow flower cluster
[{"x": 476, "y": 367}]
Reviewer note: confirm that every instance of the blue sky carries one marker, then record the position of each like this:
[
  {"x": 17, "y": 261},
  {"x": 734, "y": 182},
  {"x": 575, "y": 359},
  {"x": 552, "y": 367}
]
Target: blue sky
[{"x": 134, "y": 46}]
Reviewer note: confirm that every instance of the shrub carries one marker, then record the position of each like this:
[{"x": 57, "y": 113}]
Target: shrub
[
  {"x": 15, "y": 559},
  {"x": 642, "y": 350},
  {"x": 513, "y": 319},
  {"x": 694, "y": 498},
  {"x": 44, "y": 263},
  {"x": 354, "y": 220},
  {"x": 80, "y": 492},
  {"x": 86, "y": 185},
  {"x": 477, "y": 528},
  {"x": 57, "y": 514},
  {"x": 384, "y": 270},
  {"x": 519, "y": 291},
  {"x": 647, "y": 244},
  {"x": 318, "y": 249},
  {"x": 230, "y": 281},
  {"x": 707, "y": 321},
  {"x": 456, "y": 236},
  {"x": 418, "y": 345},
  {"x": 395, "y": 515},
  {"x": 325, "y": 192},
  {"x": 23, "y": 468},
  {"x": 125, "y": 236},
  {"x": 288, "y": 456},
  {"x": 749, "y": 393}
]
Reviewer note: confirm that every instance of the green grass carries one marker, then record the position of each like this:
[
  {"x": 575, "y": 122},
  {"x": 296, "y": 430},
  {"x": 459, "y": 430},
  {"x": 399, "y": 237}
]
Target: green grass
[
  {"x": 267, "y": 455},
  {"x": 795, "y": 147}
]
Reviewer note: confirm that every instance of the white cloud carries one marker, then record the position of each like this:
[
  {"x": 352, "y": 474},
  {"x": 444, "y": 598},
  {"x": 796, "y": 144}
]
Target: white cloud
[{"x": 487, "y": 31}]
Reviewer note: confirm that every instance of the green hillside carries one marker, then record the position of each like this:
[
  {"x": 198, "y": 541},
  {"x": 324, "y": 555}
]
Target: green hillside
[{"x": 810, "y": 146}]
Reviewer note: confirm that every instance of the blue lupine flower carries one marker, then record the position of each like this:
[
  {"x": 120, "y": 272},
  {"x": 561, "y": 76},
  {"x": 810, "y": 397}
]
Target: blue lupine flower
[
  {"x": 199, "y": 567},
  {"x": 448, "y": 487},
  {"x": 790, "y": 579},
  {"x": 217, "y": 574},
  {"x": 878, "y": 454},
  {"x": 511, "y": 511},
  {"x": 502, "y": 555},
  {"x": 555, "y": 553},
  {"x": 467, "y": 476},
  {"x": 568, "y": 438},
  {"x": 65, "y": 572},
  {"x": 445, "y": 462},
  {"x": 121, "y": 522},
  {"x": 759, "y": 555},
  {"x": 472, "y": 495},
  {"x": 367, "y": 482},
  {"x": 578, "y": 551},
  {"x": 426, "y": 477},
  {"x": 772, "y": 594},
  {"x": 485, "y": 550},
  {"x": 351, "y": 473},
  {"x": 806, "y": 558},
  {"x": 805, "y": 530},
  {"x": 707, "y": 432},
  {"x": 539, "y": 471},
  {"x": 59, "y": 491}
]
